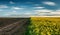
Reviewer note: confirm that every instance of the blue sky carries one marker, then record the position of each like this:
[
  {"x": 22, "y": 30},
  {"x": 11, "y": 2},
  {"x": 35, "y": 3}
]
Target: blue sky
[{"x": 29, "y": 8}]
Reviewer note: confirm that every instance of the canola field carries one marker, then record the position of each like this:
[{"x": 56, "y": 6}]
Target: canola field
[{"x": 44, "y": 26}]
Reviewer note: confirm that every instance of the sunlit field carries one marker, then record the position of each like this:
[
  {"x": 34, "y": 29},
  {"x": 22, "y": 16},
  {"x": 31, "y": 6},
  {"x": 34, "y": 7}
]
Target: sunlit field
[{"x": 44, "y": 26}]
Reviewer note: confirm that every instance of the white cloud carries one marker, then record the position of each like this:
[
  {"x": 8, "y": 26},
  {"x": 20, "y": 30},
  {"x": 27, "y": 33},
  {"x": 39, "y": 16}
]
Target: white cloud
[
  {"x": 46, "y": 12},
  {"x": 49, "y": 3},
  {"x": 17, "y": 8},
  {"x": 43, "y": 11},
  {"x": 28, "y": 13},
  {"x": 3, "y": 6},
  {"x": 56, "y": 12},
  {"x": 1, "y": 10},
  {"x": 11, "y": 2},
  {"x": 40, "y": 7},
  {"x": 7, "y": 14},
  {"x": 10, "y": 13},
  {"x": 14, "y": 11}
]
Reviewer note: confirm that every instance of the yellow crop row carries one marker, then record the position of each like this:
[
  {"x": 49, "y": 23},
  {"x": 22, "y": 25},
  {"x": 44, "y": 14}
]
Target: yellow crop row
[{"x": 46, "y": 18}]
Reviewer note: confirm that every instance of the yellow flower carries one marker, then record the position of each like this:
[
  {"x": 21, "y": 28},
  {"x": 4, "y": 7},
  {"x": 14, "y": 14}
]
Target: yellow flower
[{"x": 48, "y": 33}]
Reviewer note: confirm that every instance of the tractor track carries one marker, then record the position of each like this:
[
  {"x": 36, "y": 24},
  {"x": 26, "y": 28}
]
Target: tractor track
[{"x": 11, "y": 28}]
